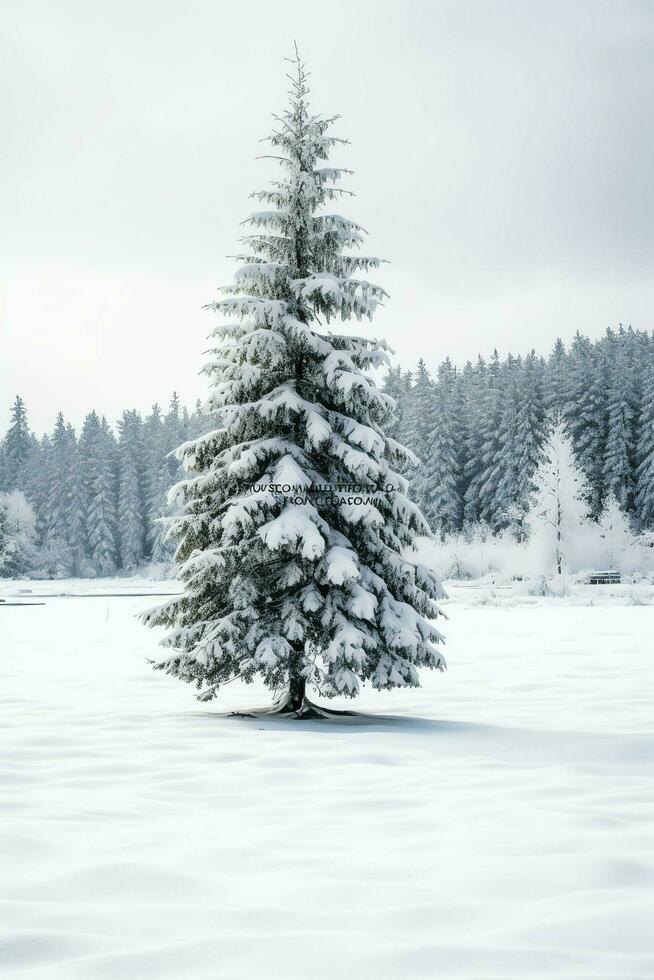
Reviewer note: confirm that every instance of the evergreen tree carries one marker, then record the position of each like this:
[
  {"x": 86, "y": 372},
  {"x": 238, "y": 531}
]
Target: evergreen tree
[
  {"x": 186, "y": 427},
  {"x": 131, "y": 491},
  {"x": 56, "y": 504},
  {"x": 645, "y": 449},
  {"x": 396, "y": 386},
  {"x": 39, "y": 485},
  {"x": 501, "y": 467},
  {"x": 158, "y": 482},
  {"x": 98, "y": 489},
  {"x": 474, "y": 470},
  {"x": 586, "y": 416},
  {"x": 308, "y": 588},
  {"x": 32, "y": 477},
  {"x": 75, "y": 536},
  {"x": 522, "y": 434},
  {"x": 490, "y": 432},
  {"x": 557, "y": 387},
  {"x": 618, "y": 478},
  {"x": 16, "y": 447},
  {"x": 61, "y": 520},
  {"x": 174, "y": 433},
  {"x": 443, "y": 503},
  {"x": 421, "y": 424}
]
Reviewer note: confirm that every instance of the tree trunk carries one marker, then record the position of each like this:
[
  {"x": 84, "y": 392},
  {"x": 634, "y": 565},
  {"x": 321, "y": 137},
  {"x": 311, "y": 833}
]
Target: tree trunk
[
  {"x": 297, "y": 693},
  {"x": 295, "y": 703}
]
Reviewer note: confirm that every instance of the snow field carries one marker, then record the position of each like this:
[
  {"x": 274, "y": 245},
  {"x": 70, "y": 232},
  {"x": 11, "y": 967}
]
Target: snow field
[{"x": 495, "y": 823}]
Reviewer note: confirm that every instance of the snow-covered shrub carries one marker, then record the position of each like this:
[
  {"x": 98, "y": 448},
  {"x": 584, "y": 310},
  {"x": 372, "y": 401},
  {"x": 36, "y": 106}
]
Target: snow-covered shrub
[
  {"x": 619, "y": 545},
  {"x": 17, "y": 531},
  {"x": 9, "y": 555},
  {"x": 474, "y": 554},
  {"x": 52, "y": 559}
]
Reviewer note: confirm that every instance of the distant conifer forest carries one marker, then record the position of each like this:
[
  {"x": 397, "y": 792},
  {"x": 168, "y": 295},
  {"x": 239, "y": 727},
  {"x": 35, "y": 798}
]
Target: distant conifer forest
[{"x": 87, "y": 503}]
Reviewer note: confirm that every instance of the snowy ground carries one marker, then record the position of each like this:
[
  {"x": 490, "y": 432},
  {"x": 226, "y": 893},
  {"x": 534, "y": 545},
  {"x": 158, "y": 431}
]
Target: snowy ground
[{"x": 495, "y": 824}]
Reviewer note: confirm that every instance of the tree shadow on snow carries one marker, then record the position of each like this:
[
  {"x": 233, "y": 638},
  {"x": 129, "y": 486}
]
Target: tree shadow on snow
[
  {"x": 501, "y": 744},
  {"x": 351, "y": 722}
]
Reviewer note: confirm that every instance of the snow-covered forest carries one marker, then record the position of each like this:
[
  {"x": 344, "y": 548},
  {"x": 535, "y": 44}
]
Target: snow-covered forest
[
  {"x": 480, "y": 431},
  {"x": 87, "y": 503}
]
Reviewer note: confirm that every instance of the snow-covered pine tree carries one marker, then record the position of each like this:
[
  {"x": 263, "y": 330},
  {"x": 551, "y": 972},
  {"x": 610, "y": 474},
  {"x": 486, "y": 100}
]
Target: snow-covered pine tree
[
  {"x": 645, "y": 448},
  {"x": 310, "y": 589},
  {"x": 473, "y": 469},
  {"x": 618, "y": 454},
  {"x": 501, "y": 470},
  {"x": 200, "y": 420},
  {"x": 175, "y": 433},
  {"x": 97, "y": 452},
  {"x": 177, "y": 428},
  {"x": 75, "y": 516},
  {"x": 56, "y": 504},
  {"x": 157, "y": 483},
  {"x": 531, "y": 430},
  {"x": 16, "y": 447},
  {"x": 443, "y": 501},
  {"x": 61, "y": 517},
  {"x": 522, "y": 434},
  {"x": 499, "y": 381},
  {"x": 559, "y": 503},
  {"x": 172, "y": 427},
  {"x": 185, "y": 423},
  {"x": 556, "y": 394},
  {"x": 131, "y": 491},
  {"x": 585, "y": 415},
  {"x": 497, "y": 416},
  {"x": 395, "y": 385},
  {"x": 33, "y": 478},
  {"x": 421, "y": 405},
  {"x": 39, "y": 484}
]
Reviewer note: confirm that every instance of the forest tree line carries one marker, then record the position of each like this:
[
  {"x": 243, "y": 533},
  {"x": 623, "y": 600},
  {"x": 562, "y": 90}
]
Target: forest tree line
[
  {"x": 95, "y": 497},
  {"x": 479, "y": 431}
]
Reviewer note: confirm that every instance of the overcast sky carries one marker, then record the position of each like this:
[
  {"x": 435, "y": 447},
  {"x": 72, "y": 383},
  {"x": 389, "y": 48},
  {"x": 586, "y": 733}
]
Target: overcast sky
[{"x": 503, "y": 159}]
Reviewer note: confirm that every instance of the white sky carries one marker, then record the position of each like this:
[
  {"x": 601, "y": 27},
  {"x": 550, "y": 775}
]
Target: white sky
[{"x": 503, "y": 155}]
